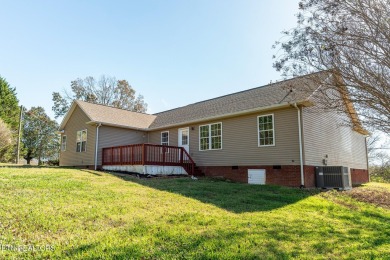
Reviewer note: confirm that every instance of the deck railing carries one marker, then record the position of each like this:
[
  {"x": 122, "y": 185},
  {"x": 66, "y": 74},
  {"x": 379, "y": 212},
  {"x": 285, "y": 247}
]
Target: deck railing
[{"x": 148, "y": 154}]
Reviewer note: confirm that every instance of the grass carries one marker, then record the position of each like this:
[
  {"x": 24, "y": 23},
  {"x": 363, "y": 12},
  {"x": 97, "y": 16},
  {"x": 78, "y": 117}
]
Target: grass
[{"x": 81, "y": 214}]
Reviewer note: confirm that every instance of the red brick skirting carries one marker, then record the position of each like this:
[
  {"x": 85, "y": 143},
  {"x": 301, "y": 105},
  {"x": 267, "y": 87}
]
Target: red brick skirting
[
  {"x": 287, "y": 175},
  {"x": 359, "y": 176}
]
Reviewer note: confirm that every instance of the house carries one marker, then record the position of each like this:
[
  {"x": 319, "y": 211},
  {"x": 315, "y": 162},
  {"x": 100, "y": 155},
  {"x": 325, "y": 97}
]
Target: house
[{"x": 274, "y": 129}]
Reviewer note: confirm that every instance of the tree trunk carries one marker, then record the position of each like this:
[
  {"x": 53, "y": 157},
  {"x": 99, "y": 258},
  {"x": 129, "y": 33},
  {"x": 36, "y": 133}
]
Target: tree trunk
[{"x": 28, "y": 157}]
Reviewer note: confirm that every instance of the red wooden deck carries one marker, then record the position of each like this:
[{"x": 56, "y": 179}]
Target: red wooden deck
[{"x": 148, "y": 154}]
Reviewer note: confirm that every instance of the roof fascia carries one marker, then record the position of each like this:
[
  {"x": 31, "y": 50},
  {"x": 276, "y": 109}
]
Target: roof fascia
[{"x": 70, "y": 112}]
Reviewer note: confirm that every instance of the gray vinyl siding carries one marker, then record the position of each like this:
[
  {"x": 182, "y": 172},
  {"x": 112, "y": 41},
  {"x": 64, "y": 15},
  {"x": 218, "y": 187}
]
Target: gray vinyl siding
[
  {"x": 326, "y": 134},
  {"x": 240, "y": 141},
  {"x": 113, "y": 136},
  {"x": 155, "y": 137},
  {"x": 70, "y": 157}
]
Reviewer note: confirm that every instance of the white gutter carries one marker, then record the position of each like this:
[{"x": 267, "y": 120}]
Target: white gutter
[
  {"x": 96, "y": 144},
  {"x": 300, "y": 145},
  {"x": 234, "y": 114},
  {"x": 115, "y": 125},
  {"x": 367, "y": 163},
  {"x": 196, "y": 121}
]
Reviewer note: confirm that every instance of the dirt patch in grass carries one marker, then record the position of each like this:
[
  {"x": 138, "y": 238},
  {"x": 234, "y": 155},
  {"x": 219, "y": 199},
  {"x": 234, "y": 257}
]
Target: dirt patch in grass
[{"x": 375, "y": 195}]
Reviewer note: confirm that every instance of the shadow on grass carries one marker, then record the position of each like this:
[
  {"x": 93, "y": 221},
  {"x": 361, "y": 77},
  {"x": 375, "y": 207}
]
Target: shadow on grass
[
  {"x": 91, "y": 172},
  {"x": 234, "y": 197}
]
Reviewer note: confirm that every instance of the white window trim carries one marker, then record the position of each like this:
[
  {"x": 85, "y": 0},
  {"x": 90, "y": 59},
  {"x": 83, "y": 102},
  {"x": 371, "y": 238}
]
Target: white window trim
[
  {"x": 210, "y": 137},
  {"x": 161, "y": 142},
  {"x": 258, "y": 130},
  {"x": 86, "y": 141},
  {"x": 63, "y": 149}
]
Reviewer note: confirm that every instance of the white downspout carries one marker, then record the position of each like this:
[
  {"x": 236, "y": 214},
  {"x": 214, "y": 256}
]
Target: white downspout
[
  {"x": 96, "y": 144},
  {"x": 300, "y": 145}
]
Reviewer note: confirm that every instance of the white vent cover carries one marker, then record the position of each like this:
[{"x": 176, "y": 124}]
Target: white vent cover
[{"x": 256, "y": 176}]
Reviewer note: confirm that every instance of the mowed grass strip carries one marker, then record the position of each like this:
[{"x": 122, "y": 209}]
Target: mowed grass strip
[{"x": 82, "y": 214}]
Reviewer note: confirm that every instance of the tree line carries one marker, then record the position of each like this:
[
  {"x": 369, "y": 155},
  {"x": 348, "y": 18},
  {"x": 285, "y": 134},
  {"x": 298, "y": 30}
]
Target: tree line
[
  {"x": 38, "y": 132},
  {"x": 40, "y": 138}
]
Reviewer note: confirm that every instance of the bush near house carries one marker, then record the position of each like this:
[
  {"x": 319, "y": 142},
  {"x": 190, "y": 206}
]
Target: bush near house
[{"x": 82, "y": 214}]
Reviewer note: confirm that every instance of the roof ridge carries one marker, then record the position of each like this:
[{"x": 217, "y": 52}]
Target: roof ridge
[
  {"x": 79, "y": 100},
  {"x": 242, "y": 91}
]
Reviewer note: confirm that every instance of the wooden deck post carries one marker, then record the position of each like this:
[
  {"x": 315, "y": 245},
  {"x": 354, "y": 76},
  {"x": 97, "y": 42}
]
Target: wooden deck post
[
  {"x": 143, "y": 154},
  {"x": 132, "y": 156},
  {"x": 103, "y": 157},
  {"x": 164, "y": 153},
  {"x": 120, "y": 155},
  {"x": 112, "y": 155},
  {"x": 181, "y": 155}
]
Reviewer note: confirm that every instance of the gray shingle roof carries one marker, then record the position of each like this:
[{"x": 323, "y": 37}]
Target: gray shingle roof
[
  {"x": 256, "y": 98},
  {"x": 241, "y": 102},
  {"x": 115, "y": 116}
]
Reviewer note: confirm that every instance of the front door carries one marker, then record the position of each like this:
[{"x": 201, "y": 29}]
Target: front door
[{"x": 184, "y": 138}]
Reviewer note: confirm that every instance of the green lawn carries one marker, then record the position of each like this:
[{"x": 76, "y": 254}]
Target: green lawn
[{"x": 81, "y": 214}]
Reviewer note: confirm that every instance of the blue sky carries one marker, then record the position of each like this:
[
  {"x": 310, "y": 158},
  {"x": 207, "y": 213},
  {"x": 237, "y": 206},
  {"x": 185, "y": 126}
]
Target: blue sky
[{"x": 172, "y": 52}]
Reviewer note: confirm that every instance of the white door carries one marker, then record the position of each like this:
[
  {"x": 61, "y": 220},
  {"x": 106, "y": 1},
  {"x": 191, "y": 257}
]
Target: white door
[
  {"x": 256, "y": 176},
  {"x": 184, "y": 138}
]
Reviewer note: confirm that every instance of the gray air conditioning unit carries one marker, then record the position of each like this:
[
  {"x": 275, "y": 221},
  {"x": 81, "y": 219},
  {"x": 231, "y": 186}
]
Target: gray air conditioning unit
[{"x": 331, "y": 177}]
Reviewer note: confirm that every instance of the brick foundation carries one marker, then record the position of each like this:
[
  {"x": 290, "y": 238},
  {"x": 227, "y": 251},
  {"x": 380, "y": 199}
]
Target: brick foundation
[
  {"x": 310, "y": 176},
  {"x": 359, "y": 176},
  {"x": 288, "y": 175}
]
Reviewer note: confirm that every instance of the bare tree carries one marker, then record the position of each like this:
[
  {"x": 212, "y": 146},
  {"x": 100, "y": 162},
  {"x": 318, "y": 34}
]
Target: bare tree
[
  {"x": 106, "y": 91},
  {"x": 349, "y": 39}
]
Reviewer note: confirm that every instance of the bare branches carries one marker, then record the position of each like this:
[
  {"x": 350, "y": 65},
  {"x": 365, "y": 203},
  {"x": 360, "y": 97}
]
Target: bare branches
[
  {"x": 350, "y": 38},
  {"x": 106, "y": 91}
]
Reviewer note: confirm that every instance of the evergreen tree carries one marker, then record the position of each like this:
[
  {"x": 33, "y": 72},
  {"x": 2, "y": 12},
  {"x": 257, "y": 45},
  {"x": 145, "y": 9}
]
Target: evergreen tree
[{"x": 9, "y": 105}]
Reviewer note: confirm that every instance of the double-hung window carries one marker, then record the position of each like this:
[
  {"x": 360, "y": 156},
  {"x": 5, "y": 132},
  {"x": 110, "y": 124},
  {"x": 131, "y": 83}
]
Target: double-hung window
[
  {"x": 165, "y": 138},
  {"x": 165, "y": 141},
  {"x": 265, "y": 125},
  {"x": 63, "y": 143},
  {"x": 210, "y": 137},
  {"x": 81, "y": 141}
]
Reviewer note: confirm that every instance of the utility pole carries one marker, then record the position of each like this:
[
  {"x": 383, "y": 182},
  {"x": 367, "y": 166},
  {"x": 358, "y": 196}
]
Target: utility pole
[{"x": 19, "y": 133}]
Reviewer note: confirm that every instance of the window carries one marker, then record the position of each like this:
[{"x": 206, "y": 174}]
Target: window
[
  {"x": 81, "y": 141},
  {"x": 183, "y": 136},
  {"x": 165, "y": 138},
  {"x": 63, "y": 143},
  {"x": 210, "y": 137},
  {"x": 265, "y": 126}
]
